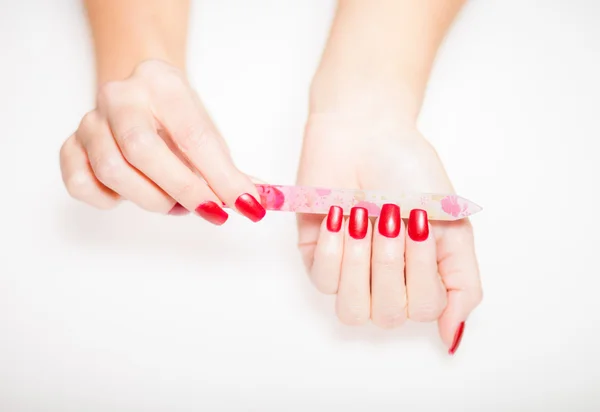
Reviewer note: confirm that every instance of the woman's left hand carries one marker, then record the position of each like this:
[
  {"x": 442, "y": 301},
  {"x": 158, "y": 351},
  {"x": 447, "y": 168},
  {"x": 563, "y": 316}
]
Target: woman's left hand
[{"x": 387, "y": 271}]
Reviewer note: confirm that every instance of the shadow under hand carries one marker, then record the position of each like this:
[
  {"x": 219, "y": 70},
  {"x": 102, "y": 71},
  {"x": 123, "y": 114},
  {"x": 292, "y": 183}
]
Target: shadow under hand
[{"x": 130, "y": 231}]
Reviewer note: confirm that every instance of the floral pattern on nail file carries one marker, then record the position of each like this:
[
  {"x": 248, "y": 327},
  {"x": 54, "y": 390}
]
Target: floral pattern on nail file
[{"x": 301, "y": 199}]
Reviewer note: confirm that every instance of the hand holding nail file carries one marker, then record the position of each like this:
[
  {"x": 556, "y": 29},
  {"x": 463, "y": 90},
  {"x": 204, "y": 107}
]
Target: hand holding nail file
[{"x": 301, "y": 199}]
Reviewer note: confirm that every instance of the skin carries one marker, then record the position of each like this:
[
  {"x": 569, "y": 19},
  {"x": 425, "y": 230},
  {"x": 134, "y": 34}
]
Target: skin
[
  {"x": 361, "y": 133},
  {"x": 149, "y": 140}
]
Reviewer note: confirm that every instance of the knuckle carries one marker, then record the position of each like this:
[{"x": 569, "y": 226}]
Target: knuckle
[
  {"x": 417, "y": 263},
  {"x": 389, "y": 317},
  {"x": 77, "y": 185},
  {"x": 63, "y": 153},
  {"x": 134, "y": 142},
  {"x": 89, "y": 122},
  {"x": 192, "y": 137},
  {"x": 327, "y": 254},
  {"x": 108, "y": 169},
  {"x": 477, "y": 296},
  {"x": 465, "y": 238},
  {"x": 353, "y": 315},
  {"x": 327, "y": 286},
  {"x": 427, "y": 311},
  {"x": 355, "y": 259},
  {"x": 160, "y": 75},
  {"x": 109, "y": 92},
  {"x": 387, "y": 261},
  {"x": 184, "y": 191}
]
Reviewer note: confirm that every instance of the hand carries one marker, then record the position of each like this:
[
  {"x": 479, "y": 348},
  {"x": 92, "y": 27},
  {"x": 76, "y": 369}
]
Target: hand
[
  {"x": 384, "y": 271},
  {"x": 150, "y": 141}
]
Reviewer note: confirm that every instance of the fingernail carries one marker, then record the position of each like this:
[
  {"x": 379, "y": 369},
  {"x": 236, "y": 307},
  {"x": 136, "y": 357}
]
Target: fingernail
[
  {"x": 178, "y": 210},
  {"x": 418, "y": 228},
  {"x": 335, "y": 219},
  {"x": 248, "y": 206},
  {"x": 457, "y": 338},
  {"x": 212, "y": 212},
  {"x": 359, "y": 219},
  {"x": 389, "y": 220}
]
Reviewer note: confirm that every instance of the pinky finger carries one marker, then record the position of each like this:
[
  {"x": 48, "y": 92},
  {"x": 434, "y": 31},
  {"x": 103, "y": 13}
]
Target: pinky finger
[
  {"x": 458, "y": 267},
  {"x": 79, "y": 179},
  {"x": 452, "y": 322}
]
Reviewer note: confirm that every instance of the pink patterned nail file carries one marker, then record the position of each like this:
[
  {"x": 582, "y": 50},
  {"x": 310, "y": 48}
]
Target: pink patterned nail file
[{"x": 301, "y": 199}]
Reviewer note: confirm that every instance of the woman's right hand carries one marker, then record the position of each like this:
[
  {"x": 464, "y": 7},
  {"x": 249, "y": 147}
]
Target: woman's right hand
[{"x": 150, "y": 141}]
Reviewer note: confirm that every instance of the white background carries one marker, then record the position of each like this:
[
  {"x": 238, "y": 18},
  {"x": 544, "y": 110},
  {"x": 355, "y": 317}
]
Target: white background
[{"x": 128, "y": 311}]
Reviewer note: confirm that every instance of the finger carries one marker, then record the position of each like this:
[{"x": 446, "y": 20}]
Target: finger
[
  {"x": 309, "y": 229},
  {"x": 79, "y": 178},
  {"x": 425, "y": 290},
  {"x": 353, "y": 303},
  {"x": 200, "y": 143},
  {"x": 388, "y": 290},
  {"x": 133, "y": 128},
  {"x": 325, "y": 271},
  {"x": 113, "y": 171},
  {"x": 256, "y": 180},
  {"x": 459, "y": 270}
]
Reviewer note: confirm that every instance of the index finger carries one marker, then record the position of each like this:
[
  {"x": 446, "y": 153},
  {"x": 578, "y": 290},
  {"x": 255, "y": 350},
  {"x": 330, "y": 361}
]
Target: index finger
[{"x": 200, "y": 143}]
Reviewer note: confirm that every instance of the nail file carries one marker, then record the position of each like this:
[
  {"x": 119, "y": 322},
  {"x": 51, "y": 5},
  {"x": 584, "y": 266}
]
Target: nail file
[{"x": 302, "y": 199}]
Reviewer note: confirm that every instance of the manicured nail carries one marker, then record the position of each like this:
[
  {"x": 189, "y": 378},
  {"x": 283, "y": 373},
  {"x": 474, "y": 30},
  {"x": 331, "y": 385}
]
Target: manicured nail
[
  {"x": 248, "y": 206},
  {"x": 457, "y": 338},
  {"x": 212, "y": 212},
  {"x": 335, "y": 219},
  {"x": 418, "y": 228},
  {"x": 359, "y": 220},
  {"x": 178, "y": 210},
  {"x": 389, "y": 220}
]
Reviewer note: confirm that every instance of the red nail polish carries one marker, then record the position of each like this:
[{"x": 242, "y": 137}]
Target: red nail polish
[
  {"x": 359, "y": 220},
  {"x": 418, "y": 227},
  {"x": 248, "y": 206},
  {"x": 457, "y": 338},
  {"x": 335, "y": 219},
  {"x": 212, "y": 212},
  {"x": 389, "y": 220},
  {"x": 178, "y": 210}
]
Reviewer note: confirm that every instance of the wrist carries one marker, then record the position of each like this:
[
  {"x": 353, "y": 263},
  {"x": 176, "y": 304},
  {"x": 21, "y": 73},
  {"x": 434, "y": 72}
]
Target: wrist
[
  {"x": 118, "y": 63},
  {"x": 367, "y": 94},
  {"x": 363, "y": 79},
  {"x": 380, "y": 53}
]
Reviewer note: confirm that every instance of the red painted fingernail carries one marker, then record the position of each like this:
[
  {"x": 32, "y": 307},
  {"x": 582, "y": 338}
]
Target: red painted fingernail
[
  {"x": 335, "y": 219},
  {"x": 359, "y": 220},
  {"x": 457, "y": 338},
  {"x": 418, "y": 228},
  {"x": 178, "y": 210},
  {"x": 248, "y": 206},
  {"x": 389, "y": 220},
  {"x": 212, "y": 212}
]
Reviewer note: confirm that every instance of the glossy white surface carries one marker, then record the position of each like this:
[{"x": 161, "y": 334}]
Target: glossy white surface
[{"x": 128, "y": 311}]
